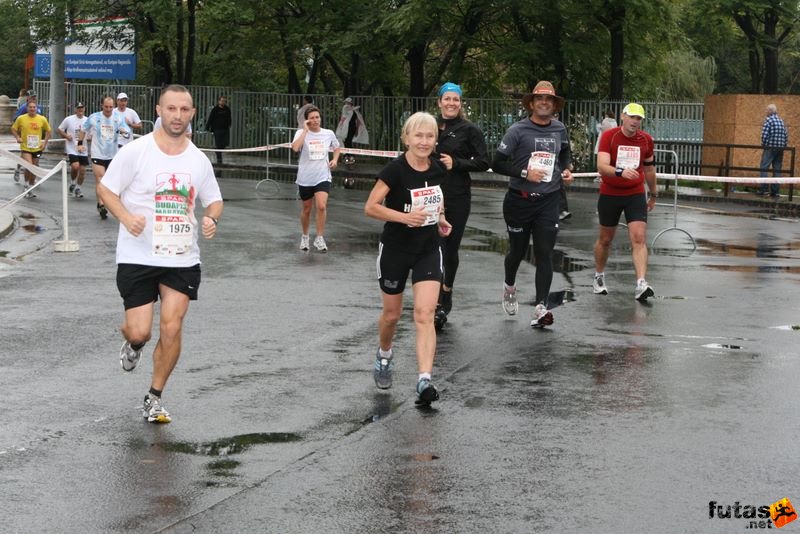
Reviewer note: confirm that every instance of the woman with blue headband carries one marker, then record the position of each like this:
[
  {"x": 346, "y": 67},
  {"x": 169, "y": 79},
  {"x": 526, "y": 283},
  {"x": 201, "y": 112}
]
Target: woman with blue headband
[{"x": 462, "y": 149}]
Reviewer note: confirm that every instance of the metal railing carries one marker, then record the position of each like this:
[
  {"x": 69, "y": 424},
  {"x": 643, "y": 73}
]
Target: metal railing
[{"x": 253, "y": 113}]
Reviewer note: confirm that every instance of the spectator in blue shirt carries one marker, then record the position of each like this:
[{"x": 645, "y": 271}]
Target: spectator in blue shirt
[{"x": 773, "y": 139}]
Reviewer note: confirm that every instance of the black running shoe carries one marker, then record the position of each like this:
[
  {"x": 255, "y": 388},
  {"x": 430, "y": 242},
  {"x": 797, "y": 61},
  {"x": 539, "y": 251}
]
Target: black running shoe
[
  {"x": 439, "y": 318},
  {"x": 446, "y": 301},
  {"x": 426, "y": 392}
]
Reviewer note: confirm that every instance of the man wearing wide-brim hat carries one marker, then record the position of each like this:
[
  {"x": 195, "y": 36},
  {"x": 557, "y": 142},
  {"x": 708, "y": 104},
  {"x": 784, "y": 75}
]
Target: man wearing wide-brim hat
[{"x": 535, "y": 154}]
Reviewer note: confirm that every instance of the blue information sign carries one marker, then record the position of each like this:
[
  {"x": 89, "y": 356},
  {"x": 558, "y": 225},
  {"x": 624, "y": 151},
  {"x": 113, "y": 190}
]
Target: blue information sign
[{"x": 90, "y": 66}]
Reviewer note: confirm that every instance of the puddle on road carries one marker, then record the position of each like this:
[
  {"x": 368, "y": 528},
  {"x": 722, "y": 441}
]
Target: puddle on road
[
  {"x": 765, "y": 246},
  {"x": 722, "y": 346},
  {"x": 232, "y": 445}
]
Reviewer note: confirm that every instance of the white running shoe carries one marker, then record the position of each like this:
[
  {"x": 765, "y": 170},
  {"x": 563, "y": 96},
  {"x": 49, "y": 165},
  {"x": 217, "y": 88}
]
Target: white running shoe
[
  {"x": 304, "y": 242},
  {"x": 319, "y": 244},
  {"x": 129, "y": 358},
  {"x": 643, "y": 291},
  {"x": 153, "y": 411},
  {"x": 510, "y": 304},
  {"x": 78, "y": 192},
  {"x": 541, "y": 317},
  {"x": 599, "y": 285}
]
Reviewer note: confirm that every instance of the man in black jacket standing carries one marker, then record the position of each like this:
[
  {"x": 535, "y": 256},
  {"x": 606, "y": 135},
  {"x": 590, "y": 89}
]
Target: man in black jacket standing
[{"x": 219, "y": 122}]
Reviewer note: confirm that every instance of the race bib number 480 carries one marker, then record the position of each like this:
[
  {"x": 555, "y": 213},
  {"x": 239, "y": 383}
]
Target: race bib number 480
[
  {"x": 429, "y": 199},
  {"x": 543, "y": 161}
]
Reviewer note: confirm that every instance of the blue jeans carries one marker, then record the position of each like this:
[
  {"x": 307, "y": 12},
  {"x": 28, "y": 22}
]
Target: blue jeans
[{"x": 772, "y": 157}]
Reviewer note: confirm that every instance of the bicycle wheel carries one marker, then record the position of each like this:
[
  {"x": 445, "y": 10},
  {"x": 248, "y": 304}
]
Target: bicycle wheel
[{"x": 268, "y": 188}]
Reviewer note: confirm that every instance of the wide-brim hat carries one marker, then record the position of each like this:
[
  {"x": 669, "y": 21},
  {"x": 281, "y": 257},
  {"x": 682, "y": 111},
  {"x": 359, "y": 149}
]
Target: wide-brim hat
[{"x": 544, "y": 88}]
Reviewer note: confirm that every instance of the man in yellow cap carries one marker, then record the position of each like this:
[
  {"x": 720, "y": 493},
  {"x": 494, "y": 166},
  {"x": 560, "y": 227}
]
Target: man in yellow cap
[
  {"x": 625, "y": 161},
  {"x": 535, "y": 155}
]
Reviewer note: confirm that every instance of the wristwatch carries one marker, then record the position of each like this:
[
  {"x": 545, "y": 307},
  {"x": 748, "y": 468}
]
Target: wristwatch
[
  {"x": 618, "y": 171},
  {"x": 524, "y": 173}
]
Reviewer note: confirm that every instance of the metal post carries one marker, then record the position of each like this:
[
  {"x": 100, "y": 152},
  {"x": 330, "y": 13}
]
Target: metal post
[
  {"x": 66, "y": 245},
  {"x": 674, "y": 204}
]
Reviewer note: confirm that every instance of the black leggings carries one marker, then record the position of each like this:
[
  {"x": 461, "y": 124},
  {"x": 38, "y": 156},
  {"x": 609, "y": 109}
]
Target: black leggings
[
  {"x": 457, "y": 213},
  {"x": 526, "y": 218}
]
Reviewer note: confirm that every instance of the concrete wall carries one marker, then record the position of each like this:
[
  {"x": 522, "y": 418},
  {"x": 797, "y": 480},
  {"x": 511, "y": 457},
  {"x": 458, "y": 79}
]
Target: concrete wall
[
  {"x": 737, "y": 119},
  {"x": 7, "y": 110}
]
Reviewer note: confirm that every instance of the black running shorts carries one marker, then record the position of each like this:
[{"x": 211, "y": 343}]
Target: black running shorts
[
  {"x": 102, "y": 162},
  {"x": 610, "y": 207},
  {"x": 393, "y": 266},
  {"x": 138, "y": 284},
  {"x": 307, "y": 192}
]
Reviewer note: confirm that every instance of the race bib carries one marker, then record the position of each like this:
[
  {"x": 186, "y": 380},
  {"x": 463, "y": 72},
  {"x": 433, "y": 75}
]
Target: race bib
[
  {"x": 172, "y": 222},
  {"x": 316, "y": 150},
  {"x": 628, "y": 157},
  {"x": 430, "y": 199},
  {"x": 543, "y": 161},
  {"x": 106, "y": 132},
  {"x": 32, "y": 141}
]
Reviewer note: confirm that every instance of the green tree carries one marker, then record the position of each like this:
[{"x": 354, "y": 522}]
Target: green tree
[{"x": 17, "y": 44}]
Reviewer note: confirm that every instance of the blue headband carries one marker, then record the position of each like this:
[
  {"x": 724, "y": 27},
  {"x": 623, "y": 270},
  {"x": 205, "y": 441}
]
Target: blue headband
[{"x": 449, "y": 87}]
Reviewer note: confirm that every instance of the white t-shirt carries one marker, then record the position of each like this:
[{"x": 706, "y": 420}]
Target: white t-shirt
[
  {"x": 131, "y": 118},
  {"x": 73, "y": 126},
  {"x": 164, "y": 189},
  {"x": 312, "y": 167}
]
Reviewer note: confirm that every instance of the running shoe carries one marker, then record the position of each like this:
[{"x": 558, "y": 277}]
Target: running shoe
[
  {"x": 541, "y": 317},
  {"x": 16, "y": 174},
  {"x": 599, "y": 285},
  {"x": 643, "y": 291},
  {"x": 382, "y": 374},
  {"x": 319, "y": 244},
  {"x": 564, "y": 215},
  {"x": 28, "y": 192},
  {"x": 446, "y": 300},
  {"x": 426, "y": 392},
  {"x": 439, "y": 318},
  {"x": 103, "y": 212},
  {"x": 153, "y": 411},
  {"x": 304, "y": 242},
  {"x": 129, "y": 358},
  {"x": 78, "y": 192},
  {"x": 71, "y": 187},
  {"x": 510, "y": 300}
]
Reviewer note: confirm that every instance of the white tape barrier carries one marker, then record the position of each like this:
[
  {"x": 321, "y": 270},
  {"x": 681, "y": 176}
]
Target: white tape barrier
[
  {"x": 266, "y": 148},
  {"x": 44, "y": 174},
  {"x": 719, "y": 179},
  {"x": 395, "y": 153}
]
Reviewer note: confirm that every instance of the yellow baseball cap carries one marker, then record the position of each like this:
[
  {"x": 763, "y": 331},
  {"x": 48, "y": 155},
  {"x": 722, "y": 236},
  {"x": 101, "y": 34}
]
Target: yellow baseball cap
[{"x": 634, "y": 110}]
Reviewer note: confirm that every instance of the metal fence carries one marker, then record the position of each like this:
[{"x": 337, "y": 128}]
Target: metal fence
[{"x": 263, "y": 118}]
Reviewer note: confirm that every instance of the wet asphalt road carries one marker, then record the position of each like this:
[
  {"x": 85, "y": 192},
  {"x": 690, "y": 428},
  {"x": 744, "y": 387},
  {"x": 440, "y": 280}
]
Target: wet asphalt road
[{"x": 622, "y": 417}]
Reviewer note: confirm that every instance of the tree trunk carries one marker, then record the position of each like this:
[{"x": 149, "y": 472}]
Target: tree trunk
[
  {"x": 191, "y": 41},
  {"x": 179, "y": 40},
  {"x": 617, "y": 79},
  {"x": 770, "y": 48},
  {"x": 416, "y": 68}
]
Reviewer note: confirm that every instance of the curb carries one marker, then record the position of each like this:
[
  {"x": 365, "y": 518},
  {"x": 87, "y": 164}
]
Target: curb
[{"x": 6, "y": 223}]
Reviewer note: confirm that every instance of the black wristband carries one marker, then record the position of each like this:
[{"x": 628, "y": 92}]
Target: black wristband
[
  {"x": 618, "y": 171},
  {"x": 80, "y": 143}
]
